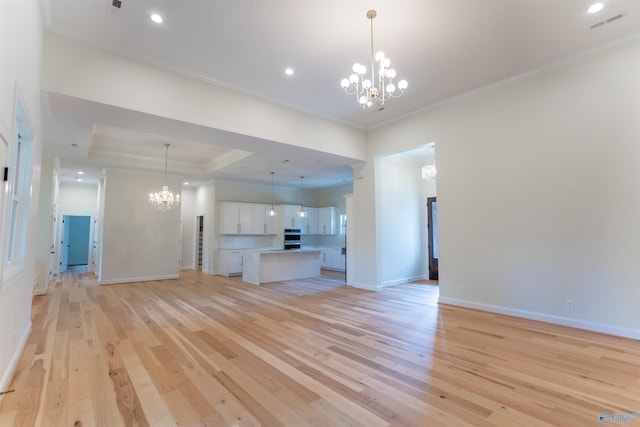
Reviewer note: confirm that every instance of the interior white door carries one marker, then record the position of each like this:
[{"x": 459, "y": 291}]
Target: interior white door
[
  {"x": 52, "y": 246},
  {"x": 3, "y": 164},
  {"x": 64, "y": 246}
]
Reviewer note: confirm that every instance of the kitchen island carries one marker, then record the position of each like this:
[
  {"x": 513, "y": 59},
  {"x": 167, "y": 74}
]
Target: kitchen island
[{"x": 262, "y": 266}]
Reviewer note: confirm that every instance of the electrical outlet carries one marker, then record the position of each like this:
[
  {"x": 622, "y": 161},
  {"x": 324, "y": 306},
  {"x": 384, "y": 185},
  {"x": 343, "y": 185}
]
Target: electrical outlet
[
  {"x": 570, "y": 305},
  {"x": 461, "y": 290}
]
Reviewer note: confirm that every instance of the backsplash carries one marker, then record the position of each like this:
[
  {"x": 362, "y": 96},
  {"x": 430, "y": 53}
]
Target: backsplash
[
  {"x": 248, "y": 242},
  {"x": 275, "y": 241},
  {"x": 322, "y": 240}
]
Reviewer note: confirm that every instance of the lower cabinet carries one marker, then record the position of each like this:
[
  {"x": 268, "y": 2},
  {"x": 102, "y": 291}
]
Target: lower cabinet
[
  {"x": 333, "y": 259},
  {"x": 230, "y": 262}
]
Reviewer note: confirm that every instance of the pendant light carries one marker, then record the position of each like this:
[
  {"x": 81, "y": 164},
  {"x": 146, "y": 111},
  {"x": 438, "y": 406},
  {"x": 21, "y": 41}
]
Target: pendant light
[
  {"x": 302, "y": 213},
  {"x": 272, "y": 210}
]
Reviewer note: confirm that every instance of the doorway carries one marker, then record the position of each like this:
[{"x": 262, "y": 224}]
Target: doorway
[
  {"x": 75, "y": 244},
  {"x": 432, "y": 218}
]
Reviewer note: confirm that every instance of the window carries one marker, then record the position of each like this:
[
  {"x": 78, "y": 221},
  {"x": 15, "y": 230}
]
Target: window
[{"x": 19, "y": 177}]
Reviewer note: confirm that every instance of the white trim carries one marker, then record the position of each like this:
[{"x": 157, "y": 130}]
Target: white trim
[
  {"x": 366, "y": 286},
  {"x": 542, "y": 317},
  {"x": 402, "y": 281},
  {"x": 137, "y": 279},
  {"x": 8, "y": 374}
]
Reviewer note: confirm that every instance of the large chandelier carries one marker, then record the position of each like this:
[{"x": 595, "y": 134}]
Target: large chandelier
[
  {"x": 164, "y": 199},
  {"x": 378, "y": 88}
]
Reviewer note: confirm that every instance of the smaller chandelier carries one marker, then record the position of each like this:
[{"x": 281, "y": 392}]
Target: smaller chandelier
[
  {"x": 375, "y": 89},
  {"x": 272, "y": 210},
  {"x": 302, "y": 213},
  {"x": 429, "y": 172},
  {"x": 164, "y": 199}
]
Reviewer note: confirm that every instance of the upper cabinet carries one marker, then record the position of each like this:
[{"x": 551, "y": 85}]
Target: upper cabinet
[
  {"x": 291, "y": 219},
  {"x": 245, "y": 218},
  {"x": 252, "y": 218},
  {"x": 311, "y": 226},
  {"x": 327, "y": 220}
]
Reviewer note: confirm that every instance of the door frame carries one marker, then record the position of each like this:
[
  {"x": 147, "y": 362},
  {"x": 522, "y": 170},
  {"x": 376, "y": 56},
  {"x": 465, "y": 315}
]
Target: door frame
[{"x": 433, "y": 262}]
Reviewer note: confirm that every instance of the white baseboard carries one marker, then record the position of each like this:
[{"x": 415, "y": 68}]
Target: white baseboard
[
  {"x": 8, "y": 374},
  {"x": 401, "y": 281},
  {"x": 542, "y": 317},
  {"x": 188, "y": 268},
  {"x": 365, "y": 286},
  {"x": 137, "y": 279}
]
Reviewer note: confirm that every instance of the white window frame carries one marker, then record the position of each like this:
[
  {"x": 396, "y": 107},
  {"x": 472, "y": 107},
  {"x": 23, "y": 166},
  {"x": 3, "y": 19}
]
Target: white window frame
[{"x": 17, "y": 196}]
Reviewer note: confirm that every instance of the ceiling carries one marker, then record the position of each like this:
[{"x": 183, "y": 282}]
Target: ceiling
[{"x": 444, "y": 48}]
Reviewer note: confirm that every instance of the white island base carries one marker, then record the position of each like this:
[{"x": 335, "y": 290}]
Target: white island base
[{"x": 262, "y": 266}]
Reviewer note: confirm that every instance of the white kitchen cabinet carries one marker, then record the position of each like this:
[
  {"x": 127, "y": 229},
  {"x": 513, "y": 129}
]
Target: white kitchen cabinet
[
  {"x": 311, "y": 226},
  {"x": 230, "y": 262},
  {"x": 291, "y": 218},
  {"x": 261, "y": 222},
  {"x": 327, "y": 220},
  {"x": 229, "y": 218},
  {"x": 270, "y": 222},
  {"x": 245, "y": 218},
  {"x": 333, "y": 259}
]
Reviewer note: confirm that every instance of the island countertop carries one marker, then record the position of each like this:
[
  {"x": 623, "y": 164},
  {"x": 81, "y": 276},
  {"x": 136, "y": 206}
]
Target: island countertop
[{"x": 274, "y": 265}]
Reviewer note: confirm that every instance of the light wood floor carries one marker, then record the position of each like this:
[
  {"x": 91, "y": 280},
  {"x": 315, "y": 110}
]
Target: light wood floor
[{"x": 207, "y": 350}]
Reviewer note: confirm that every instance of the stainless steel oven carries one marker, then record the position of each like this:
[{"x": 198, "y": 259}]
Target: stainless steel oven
[{"x": 291, "y": 238}]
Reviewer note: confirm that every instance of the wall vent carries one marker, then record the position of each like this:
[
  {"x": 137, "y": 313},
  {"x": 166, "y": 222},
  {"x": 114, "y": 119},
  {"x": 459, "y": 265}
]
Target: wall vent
[
  {"x": 606, "y": 21},
  {"x": 116, "y": 3}
]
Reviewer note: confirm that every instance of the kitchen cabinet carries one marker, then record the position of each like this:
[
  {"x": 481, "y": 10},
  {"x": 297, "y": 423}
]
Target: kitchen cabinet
[
  {"x": 311, "y": 226},
  {"x": 230, "y": 262},
  {"x": 291, "y": 219},
  {"x": 261, "y": 222},
  {"x": 333, "y": 259},
  {"x": 327, "y": 220},
  {"x": 245, "y": 218}
]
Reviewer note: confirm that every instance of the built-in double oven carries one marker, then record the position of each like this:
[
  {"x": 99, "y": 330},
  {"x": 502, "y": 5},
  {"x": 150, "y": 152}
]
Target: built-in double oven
[{"x": 291, "y": 238}]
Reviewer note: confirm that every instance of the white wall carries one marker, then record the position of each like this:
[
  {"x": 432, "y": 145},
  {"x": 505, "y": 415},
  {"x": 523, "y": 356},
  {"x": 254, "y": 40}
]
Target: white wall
[
  {"x": 85, "y": 72},
  {"x": 538, "y": 192},
  {"x": 188, "y": 221},
  {"x": 44, "y": 238},
  {"x": 364, "y": 258},
  {"x": 78, "y": 199},
  {"x": 205, "y": 206},
  {"x": 138, "y": 242},
  {"x": 400, "y": 209},
  {"x": 20, "y": 53}
]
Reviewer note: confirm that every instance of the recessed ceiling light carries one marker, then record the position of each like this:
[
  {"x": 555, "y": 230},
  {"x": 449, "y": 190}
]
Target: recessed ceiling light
[
  {"x": 78, "y": 179},
  {"x": 157, "y": 18},
  {"x": 595, "y": 8},
  {"x": 186, "y": 183},
  {"x": 288, "y": 71},
  {"x": 80, "y": 173}
]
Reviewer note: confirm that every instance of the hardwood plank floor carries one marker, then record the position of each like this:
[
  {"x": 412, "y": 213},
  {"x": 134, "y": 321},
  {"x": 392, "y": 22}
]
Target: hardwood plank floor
[{"x": 213, "y": 351}]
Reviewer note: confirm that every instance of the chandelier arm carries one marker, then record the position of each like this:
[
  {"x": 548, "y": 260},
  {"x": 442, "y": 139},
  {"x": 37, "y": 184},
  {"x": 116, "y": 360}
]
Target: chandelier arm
[
  {"x": 355, "y": 91},
  {"x": 376, "y": 89}
]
